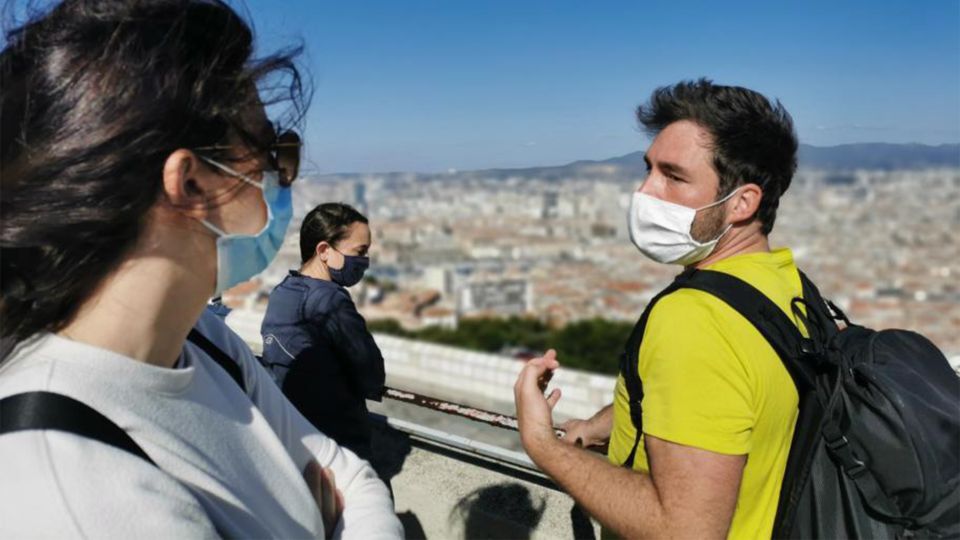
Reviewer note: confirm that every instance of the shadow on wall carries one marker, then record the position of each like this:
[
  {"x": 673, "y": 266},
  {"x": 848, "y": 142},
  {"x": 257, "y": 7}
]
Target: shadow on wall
[{"x": 501, "y": 511}]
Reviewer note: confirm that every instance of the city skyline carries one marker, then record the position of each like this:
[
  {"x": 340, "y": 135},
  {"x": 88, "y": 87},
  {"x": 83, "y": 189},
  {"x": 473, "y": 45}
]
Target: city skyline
[
  {"x": 430, "y": 86},
  {"x": 557, "y": 250}
]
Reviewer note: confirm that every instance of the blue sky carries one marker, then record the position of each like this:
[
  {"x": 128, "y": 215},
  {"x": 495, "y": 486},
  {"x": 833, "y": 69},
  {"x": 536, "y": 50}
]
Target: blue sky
[{"x": 420, "y": 85}]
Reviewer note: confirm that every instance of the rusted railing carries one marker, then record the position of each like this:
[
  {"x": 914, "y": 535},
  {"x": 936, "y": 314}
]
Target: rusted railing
[{"x": 475, "y": 414}]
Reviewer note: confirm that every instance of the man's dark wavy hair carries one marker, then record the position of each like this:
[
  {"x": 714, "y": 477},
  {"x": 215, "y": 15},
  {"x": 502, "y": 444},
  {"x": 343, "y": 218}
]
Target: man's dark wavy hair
[
  {"x": 753, "y": 139},
  {"x": 95, "y": 95}
]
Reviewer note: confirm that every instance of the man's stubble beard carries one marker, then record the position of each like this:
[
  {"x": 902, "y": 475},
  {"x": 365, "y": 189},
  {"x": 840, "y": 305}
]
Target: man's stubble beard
[{"x": 708, "y": 224}]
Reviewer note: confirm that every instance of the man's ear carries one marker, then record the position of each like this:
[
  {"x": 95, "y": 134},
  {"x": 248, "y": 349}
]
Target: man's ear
[
  {"x": 185, "y": 181},
  {"x": 745, "y": 203}
]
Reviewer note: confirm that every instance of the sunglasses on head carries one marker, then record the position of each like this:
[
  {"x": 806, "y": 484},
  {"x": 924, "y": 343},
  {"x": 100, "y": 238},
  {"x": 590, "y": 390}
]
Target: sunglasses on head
[{"x": 283, "y": 156}]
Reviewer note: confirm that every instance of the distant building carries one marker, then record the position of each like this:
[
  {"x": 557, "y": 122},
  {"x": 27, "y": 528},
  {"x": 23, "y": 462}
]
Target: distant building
[
  {"x": 439, "y": 316},
  {"x": 360, "y": 197},
  {"x": 551, "y": 204},
  {"x": 439, "y": 278},
  {"x": 504, "y": 297}
]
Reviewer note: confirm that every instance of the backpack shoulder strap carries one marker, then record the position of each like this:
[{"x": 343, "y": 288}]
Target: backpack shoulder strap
[
  {"x": 822, "y": 314},
  {"x": 772, "y": 323},
  {"x": 219, "y": 356},
  {"x": 629, "y": 369},
  {"x": 41, "y": 410},
  {"x": 49, "y": 411}
]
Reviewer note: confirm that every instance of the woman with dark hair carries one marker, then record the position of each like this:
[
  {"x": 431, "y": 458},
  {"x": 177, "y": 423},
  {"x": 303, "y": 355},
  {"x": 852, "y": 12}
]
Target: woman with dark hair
[
  {"x": 314, "y": 340},
  {"x": 140, "y": 177}
]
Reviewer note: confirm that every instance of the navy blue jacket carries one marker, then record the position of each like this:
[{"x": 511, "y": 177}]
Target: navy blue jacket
[{"x": 320, "y": 352}]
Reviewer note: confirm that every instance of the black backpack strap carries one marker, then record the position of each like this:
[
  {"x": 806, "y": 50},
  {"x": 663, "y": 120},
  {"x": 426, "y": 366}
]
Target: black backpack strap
[
  {"x": 798, "y": 353},
  {"x": 50, "y": 411},
  {"x": 629, "y": 369},
  {"x": 226, "y": 362},
  {"x": 822, "y": 313},
  {"x": 631, "y": 378}
]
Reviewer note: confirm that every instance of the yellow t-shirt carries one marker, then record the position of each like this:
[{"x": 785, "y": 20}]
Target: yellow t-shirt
[{"x": 711, "y": 381}]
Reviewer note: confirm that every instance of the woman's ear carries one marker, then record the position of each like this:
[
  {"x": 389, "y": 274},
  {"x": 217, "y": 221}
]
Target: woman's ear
[
  {"x": 746, "y": 203},
  {"x": 321, "y": 251},
  {"x": 182, "y": 185}
]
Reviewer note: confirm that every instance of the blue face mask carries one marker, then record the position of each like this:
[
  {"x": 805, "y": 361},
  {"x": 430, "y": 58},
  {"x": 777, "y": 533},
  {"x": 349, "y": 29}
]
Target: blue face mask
[
  {"x": 242, "y": 256},
  {"x": 352, "y": 271}
]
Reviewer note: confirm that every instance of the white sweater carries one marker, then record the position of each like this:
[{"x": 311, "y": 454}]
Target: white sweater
[{"x": 229, "y": 464}]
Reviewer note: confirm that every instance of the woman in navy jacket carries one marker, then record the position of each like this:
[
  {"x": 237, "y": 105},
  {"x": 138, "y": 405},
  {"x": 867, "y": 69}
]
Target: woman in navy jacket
[{"x": 315, "y": 342}]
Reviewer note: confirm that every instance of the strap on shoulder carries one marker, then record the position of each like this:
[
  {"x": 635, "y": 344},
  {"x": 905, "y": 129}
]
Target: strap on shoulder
[
  {"x": 219, "y": 356},
  {"x": 822, "y": 313},
  {"x": 772, "y": 323},
  {"x": 628, "y": 364},
  {"x": 50, "y": 411}
]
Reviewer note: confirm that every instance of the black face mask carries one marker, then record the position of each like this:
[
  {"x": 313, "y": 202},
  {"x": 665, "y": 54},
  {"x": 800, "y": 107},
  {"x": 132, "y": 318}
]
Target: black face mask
[{"x": 352, "y": 272}]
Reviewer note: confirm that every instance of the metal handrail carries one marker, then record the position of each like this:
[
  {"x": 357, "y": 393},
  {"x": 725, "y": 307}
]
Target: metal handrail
[
  {"x": 504, "y": 421},
  {"x": 474, "y": 414},
  {"x": 489, "y": 452}
]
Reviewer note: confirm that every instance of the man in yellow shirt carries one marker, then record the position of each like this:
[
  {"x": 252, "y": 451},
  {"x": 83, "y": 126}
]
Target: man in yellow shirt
[{"x": 718, "y": 407}]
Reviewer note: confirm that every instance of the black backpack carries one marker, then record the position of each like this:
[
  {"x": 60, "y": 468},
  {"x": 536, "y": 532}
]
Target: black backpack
[{"x": 876, "y": 447}]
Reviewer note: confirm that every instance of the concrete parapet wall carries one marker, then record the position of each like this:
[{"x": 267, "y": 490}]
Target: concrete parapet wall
[
  {"x": 461, "y": 371},
  {"x": 452, "y": 372}
]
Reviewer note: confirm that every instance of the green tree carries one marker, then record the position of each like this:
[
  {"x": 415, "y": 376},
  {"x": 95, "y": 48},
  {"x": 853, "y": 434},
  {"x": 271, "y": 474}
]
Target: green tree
[
  {"x": 592, "y": 345},
  {"x": 387, "y": 326}
]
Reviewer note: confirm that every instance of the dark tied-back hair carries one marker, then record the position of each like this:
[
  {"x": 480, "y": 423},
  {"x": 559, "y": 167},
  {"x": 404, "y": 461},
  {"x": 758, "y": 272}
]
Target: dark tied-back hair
[
  {"x": 328, "y": 222},
  {"x": 753, "y": 138},
  {"x": 95, "y": 95}
]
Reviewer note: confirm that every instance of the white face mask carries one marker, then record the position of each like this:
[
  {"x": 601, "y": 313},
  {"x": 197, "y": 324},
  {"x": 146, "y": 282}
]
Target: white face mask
[{"x": 661, "y": 230}]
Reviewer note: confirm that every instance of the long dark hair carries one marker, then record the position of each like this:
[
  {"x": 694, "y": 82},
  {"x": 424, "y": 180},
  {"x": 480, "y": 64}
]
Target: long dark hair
[
  {"x": 328, "y": 222},
  {"x": 95, "y": 95}
]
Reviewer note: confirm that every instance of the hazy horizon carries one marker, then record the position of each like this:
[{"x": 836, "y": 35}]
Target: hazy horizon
[{"x": 590, "y": 159}]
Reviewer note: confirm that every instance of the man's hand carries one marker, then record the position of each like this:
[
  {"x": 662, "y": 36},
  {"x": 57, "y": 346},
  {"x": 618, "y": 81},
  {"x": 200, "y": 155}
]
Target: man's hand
[
  {"x": 534, "y": 411},
  {"x": 583, "y": 433},
  {"x": 323, "y": 487},
  {"x": 594, "y": 431}
]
